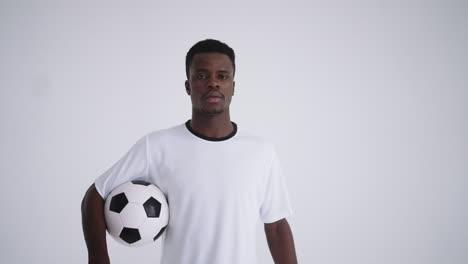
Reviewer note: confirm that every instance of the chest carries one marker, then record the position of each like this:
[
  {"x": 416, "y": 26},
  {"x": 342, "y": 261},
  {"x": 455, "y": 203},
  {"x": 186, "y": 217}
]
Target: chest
[{"x": 216, "y": 173}]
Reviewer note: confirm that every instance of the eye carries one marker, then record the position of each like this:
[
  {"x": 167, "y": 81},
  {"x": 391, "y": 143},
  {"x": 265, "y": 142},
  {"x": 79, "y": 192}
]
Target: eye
[
  {"x": 223, "y": 76},
  {"x": 201, "y": 76}
]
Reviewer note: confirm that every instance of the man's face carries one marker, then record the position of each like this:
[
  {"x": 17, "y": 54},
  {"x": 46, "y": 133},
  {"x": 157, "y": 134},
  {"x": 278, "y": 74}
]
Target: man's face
[{"x": 210, "y": 84}]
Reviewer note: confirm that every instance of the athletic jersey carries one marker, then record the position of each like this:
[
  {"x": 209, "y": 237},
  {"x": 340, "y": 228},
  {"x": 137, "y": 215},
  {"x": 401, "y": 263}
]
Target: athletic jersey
[{"x": 217, "y": 190}]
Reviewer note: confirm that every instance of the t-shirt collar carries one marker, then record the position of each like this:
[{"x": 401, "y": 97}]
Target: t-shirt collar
[{"x": 233, "y": 133}]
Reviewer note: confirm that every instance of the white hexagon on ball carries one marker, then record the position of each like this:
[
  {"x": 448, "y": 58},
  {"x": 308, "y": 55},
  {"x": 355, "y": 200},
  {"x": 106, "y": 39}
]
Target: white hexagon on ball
[{"x": 133, "y": 215}]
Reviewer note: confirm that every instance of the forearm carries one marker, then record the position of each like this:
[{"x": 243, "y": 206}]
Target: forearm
[
  {"x": 281, "y": 243},
  {"x": 94, "y": 226}
]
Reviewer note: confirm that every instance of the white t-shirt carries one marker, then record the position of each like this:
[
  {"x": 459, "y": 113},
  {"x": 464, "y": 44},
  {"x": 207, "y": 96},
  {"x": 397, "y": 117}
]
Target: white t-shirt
[{"x": 217, "y": 190}]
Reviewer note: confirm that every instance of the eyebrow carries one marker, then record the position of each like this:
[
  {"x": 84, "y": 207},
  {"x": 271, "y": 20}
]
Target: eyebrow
[{"x": 206, "y": 70}]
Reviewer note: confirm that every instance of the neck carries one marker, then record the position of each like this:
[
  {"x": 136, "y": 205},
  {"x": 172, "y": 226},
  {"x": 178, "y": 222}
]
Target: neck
[{"x": 214, "y": 126}]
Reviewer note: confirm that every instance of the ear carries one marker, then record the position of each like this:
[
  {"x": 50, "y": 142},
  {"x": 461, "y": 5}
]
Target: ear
[
  {"x": 233, "y": 86},
  {"x": 187, "y": 87}
]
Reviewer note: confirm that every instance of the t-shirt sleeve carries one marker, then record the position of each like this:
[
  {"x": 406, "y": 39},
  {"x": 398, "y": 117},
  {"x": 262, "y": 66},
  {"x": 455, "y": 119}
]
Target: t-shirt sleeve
[
  {"x": 133, "y": 165},
  {"x": 276, "y": 204}
]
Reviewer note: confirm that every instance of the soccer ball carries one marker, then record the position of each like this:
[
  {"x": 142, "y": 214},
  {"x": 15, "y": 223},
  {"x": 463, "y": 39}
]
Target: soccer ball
[{"x": 136, "y": 213}]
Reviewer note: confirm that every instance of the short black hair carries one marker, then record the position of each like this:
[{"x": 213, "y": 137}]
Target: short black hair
[{"x": 209, "y": 45}]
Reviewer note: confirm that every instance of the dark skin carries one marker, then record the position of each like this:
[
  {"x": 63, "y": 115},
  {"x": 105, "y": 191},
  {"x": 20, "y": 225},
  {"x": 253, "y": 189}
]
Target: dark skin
[
  {"x": 94, "y": 226},
  {"x": 211, "y": 74},
  {"x": 280, "y": 241}
]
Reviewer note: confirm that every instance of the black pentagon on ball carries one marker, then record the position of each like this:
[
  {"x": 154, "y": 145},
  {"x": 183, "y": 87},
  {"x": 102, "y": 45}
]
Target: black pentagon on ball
[
  {"x": 160, "y": 233},
  {"x": 141, "y": 182},
  {"x": 118, "y": 202},
  {"x": 152, "y": 207},
  {"x": 130, "y": 235}
]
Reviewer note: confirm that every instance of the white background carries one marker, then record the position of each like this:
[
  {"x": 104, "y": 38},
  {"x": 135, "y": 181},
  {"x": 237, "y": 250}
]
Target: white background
[{"x": 366, "y": 103}]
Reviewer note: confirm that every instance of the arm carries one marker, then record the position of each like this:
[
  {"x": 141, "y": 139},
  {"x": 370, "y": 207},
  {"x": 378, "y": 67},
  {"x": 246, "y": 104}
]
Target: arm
[
  {"x": 280, "y": 241},
  {"x": 94, "y": 226}
]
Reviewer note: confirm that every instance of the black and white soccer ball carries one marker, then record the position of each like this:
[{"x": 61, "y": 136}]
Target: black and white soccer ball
[{"x": 136, "y": 213}]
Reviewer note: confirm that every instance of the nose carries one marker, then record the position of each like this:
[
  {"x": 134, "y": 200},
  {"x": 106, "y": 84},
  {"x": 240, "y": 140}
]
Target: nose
[{"x": 213, "y": 83}]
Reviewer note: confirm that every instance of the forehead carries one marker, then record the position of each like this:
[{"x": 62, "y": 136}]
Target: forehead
[{"x": 211, "y": 60}]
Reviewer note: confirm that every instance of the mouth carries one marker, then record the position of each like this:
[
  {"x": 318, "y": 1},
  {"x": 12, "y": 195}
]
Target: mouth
[{"x": 213, "y": 99}]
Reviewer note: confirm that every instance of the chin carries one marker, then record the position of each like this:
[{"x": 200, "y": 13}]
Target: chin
[{"x": 212, "y": 111}]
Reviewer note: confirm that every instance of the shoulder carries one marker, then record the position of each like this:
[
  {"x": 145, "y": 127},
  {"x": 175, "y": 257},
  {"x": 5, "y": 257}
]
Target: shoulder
[
  {"x": 164, "y": 133},
  {"x": 260, "y": 142}
]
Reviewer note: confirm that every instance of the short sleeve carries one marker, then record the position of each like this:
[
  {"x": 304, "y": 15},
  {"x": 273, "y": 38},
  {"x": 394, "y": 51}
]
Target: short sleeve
[
  {"x": 133, "y": 165},
  {"x": 276, "y": 204}
]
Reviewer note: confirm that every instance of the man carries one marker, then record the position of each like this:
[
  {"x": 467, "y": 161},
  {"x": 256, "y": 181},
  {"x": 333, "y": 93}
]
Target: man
[{"x": 218, "y": 179}]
